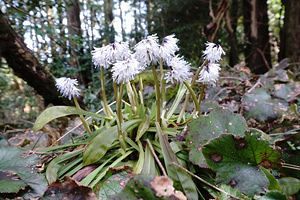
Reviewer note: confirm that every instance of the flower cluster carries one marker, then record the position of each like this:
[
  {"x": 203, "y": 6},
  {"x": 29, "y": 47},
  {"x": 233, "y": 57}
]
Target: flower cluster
[
  {"x": 67, "y": 87},
  {"x": 209, "y": 74},
  {"x": 126, "y": 65}
]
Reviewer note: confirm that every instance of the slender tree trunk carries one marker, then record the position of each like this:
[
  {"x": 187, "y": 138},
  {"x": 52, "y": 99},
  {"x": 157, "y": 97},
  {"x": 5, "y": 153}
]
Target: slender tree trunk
[
  {"x": 289, "y": 38},
  {"x": 257, "y": 51},
  {"x": 149, "y": 17},
  {"x": 231, "y": 25},
  {"x": 109, "y": 17},
  {"x": 76, "y": 42},
  {"x": 122, "y": 21},
  {"x": 25, "y": 65},
  {"x": 62, "y": 42},
  {"x": 50, "y": 33}
]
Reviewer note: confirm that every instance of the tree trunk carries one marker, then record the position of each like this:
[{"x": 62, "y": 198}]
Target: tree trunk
[
  {"x": 109, "y": 17},
  {"x": 149, "y": 17},
  {"x": 289, "y": 38},
  {"x": 231, "y": 25},
  {"x": 76, "y": 45},
  {"x": 25, "y": 65},
  {"x": 257, "y": 50}
]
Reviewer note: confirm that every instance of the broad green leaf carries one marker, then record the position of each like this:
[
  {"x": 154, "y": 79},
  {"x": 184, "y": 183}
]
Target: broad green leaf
[
  {"x": 260, "y": 105},
  {"x": 174, "y": 172},
  {"x": 137, "y": 188},
  {"x": 55, "y": 112},
  {"x": 57, "y": 163},
  {"x": 289, "y": 185},
  {"x": 205, "y": 128},
  {"x": 274, "y": 184},
  {"x": 11, "y": 185},
  {"x": 16, "y": 161},
  {"x": 103, "y": 141},
  {"x": 228, "y": 193},
  {"x": 273, "y": 195},
  {"x": 236, "y": 161},
  {"x": 114, "y": 185}
]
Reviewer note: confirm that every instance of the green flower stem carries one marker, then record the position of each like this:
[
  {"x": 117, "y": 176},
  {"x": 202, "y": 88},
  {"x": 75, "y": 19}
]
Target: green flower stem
[
  {"x": 103, "y": 93},
  {"x": 157, "y": 95},
  {"x": 85, "y": 124},
  {"x": 131, "y": 96},
  {"x": 202, "y": 94},
  {"x": 187, "y": 97},
  {"x": 194, "y": 97},
  {"x": 162, "y": 84},
  {"x": 121, "y": 134},
  {"x": 141, "y": 89}
]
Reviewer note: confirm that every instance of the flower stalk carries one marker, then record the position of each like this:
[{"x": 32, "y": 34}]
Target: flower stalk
[
  {"x": 157, "y": 95},
  {"x": 84, "y": 122},
  {"x": 107, "y": 110},
  {"x": 121, "y": 134}
]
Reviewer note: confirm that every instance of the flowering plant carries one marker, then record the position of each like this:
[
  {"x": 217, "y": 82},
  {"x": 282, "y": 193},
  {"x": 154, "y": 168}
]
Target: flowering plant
[{"x": 134, "y": 134}]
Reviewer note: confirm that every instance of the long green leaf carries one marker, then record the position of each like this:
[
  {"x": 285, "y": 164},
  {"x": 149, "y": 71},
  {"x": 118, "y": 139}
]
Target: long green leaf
[
  {"x": 185, "y": 179},
  {"x": 103, "y": 141},
  {"x": 59, "y": 111},
  {"x": 55, "y": 165}
]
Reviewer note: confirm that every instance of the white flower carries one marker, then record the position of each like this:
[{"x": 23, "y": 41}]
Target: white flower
[
  {"x": 108, "y": 55},
  {"x": 180, "y": 70},
  {"x": 67, "y": 87},
  {"x": 147, "y": 50},
  {"x": 168, "y": 47},
  {"x": 209, "y": 74},
  {"x": 124, "y": 71},
  {"x": 213, "y": 52}
]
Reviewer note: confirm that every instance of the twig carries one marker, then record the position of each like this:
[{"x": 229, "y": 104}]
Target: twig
[
  {"x": 254, "y": 86},
  {"x": 202, "y": 180},
  {"x": 156, "y": 158},
  {"x": 223, "y": 89}
]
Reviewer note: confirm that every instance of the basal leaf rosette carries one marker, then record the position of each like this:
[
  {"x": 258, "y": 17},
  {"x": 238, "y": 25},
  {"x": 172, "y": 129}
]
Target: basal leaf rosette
[{"x": 237, "y": 161}]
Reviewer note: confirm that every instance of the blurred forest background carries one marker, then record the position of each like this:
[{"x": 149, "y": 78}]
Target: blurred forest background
[{"x": 40, "y": 40}]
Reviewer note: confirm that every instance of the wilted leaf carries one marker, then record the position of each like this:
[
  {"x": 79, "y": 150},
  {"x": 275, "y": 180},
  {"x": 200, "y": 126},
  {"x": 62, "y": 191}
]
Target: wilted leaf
[
  {"x": 68, "y": 189},
  {"x": 236, "y": 161},
  {"x": 259, "y": 105},
  {"x": 15, "y": 161}
]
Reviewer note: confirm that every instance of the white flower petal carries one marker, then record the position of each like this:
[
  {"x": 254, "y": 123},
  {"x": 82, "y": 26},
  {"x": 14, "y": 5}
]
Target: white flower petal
[
  {"x": 147, "y": 50},
  {"x": 213, "y": 52},
  {"x": 209, "y": 74},
  {"x": 180, "y": 70},
  {"x": 67, "y": 87},
  {"x": 108, "y": 55},
  {"x": 125, "y": 71},
  {"x": 168, "y": 48}
]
